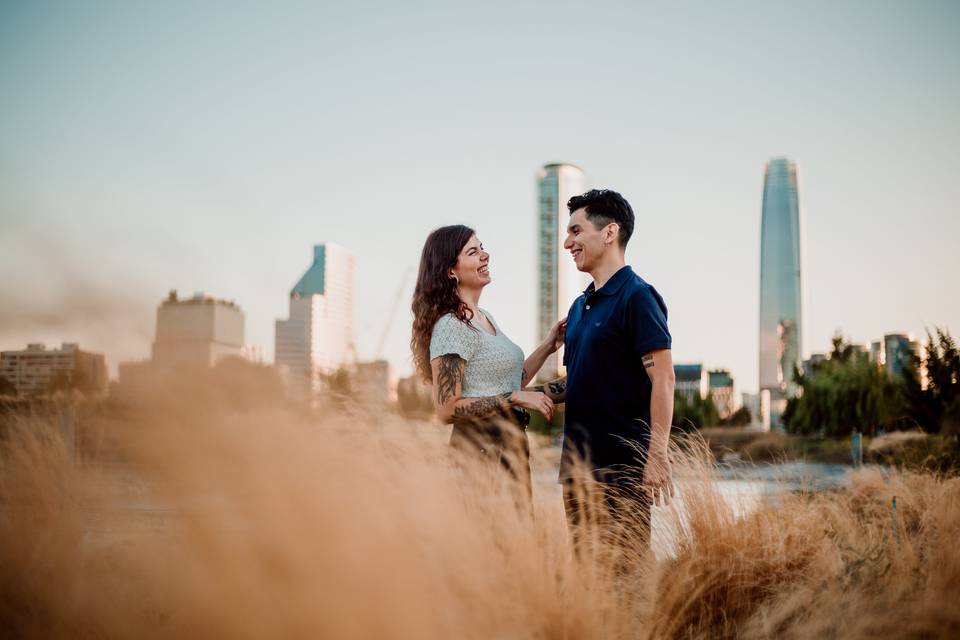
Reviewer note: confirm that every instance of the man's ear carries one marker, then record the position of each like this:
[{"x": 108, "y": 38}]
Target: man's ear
[{"x": 612, "y": 232}]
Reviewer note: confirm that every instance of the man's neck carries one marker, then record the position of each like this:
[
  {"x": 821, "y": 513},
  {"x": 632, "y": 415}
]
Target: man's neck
[{"x": 604, "y": 271}]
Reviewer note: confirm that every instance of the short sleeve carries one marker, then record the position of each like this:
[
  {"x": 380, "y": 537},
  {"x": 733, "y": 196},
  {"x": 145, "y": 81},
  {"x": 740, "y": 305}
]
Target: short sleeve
[
  {"x": 451, "y": 335},
  {"x": 647, "y": 321}
]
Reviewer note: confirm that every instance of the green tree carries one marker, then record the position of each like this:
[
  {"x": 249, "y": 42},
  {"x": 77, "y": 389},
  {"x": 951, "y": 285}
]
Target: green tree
[
  {"x": 844, "y": 393},
  {"x": 694, "y": 413},
  {"x": 936, "y": 405},
  {"x": 739, "y": 418}
]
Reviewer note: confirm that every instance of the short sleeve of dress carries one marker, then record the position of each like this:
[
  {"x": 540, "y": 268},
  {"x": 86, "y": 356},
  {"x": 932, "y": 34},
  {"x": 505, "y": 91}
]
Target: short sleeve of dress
[
  {"x": 451, "y": 335},
  {"x": 647, "y": 320}
]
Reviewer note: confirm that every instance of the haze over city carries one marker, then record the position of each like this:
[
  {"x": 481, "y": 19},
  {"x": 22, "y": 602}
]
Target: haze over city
[{"x": 212, "y": 150}]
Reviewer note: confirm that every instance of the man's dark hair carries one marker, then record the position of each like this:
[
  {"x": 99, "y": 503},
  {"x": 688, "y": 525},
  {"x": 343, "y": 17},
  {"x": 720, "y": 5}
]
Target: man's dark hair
[{"x": 603, "y": 207}]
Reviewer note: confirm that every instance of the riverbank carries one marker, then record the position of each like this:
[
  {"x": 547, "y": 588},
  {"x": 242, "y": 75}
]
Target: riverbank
[{"x": 905, "y": 450}]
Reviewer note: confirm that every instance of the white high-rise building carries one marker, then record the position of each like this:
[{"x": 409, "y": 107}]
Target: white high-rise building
[
  {"x": 200, "y": 331},
  {"x": 559, "y": 281},
  {"x": 317, "y": 338}
]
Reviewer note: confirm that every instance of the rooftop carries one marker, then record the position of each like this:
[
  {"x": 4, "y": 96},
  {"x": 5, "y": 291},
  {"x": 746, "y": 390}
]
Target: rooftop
[{"x": 198, "y": 298}]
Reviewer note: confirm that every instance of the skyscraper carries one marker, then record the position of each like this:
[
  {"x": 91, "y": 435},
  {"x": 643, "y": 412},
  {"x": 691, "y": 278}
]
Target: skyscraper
[
  {"x": 559, "y": 282},
  {"x": 781, "y": 336},
  {"x": 317, "y": 338}
]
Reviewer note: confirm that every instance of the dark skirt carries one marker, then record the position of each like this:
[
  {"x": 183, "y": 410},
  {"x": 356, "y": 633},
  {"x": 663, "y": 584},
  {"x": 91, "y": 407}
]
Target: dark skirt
[{"x": 498, "y": 440}]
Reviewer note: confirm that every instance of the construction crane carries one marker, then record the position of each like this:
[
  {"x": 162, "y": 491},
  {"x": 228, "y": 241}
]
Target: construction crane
[{"x": 393, "y": 313}]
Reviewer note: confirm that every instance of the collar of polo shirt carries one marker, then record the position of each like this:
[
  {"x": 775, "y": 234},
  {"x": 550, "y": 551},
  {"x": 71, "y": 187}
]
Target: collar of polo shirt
[{"x": 613, "y": 285}]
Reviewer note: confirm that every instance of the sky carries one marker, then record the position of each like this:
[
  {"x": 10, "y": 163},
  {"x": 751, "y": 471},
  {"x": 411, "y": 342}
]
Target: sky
[{"x": 208, "y": 146}]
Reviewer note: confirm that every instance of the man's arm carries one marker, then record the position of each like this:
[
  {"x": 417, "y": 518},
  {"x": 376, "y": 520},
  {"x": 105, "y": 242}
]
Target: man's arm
[
  {"x": 656, "y": 473},
  {"x": 556, "y": 390}
]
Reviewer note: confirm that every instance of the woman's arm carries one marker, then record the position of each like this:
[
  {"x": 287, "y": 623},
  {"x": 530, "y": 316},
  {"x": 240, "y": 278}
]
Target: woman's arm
[
  {"x": 451, "y": 405},
  {"x": 535, "y": 360}
]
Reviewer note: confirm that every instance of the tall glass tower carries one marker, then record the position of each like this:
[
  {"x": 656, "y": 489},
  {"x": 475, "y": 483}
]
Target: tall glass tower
[
  {"x": 780, "y": 292},
  {"x": 559, "y": 282}
]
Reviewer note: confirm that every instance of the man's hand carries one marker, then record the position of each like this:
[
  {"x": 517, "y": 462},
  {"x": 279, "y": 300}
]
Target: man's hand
[{"x": 657, "y": 478}]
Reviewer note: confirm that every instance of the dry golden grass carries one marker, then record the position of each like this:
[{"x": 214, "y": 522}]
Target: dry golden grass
[{"x": 277, "y": 524}]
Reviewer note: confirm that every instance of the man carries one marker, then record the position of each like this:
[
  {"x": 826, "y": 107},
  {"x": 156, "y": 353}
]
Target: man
[{"x": 619, "y": 385}]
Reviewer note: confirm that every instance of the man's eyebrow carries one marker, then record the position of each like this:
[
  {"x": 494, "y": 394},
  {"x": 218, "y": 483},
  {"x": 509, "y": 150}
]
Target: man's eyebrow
[{"x": 573, "y": 227}]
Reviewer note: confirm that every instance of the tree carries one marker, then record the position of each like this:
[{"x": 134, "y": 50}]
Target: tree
[
  {"x": 7, "y": 388},
  {"x": 67, "y": 381},
  {"x": 844, "y": 393},
  {"x": 694, "y": 413},
  {"x": 739, "y": 418},
  {"x": 938, "y": 402}
]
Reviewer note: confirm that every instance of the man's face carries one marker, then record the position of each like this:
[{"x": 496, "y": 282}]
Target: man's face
[{"x": 586, "y": 243}]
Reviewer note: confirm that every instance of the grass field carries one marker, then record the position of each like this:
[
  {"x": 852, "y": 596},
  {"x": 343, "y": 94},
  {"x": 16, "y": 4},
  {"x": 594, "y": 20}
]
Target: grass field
[{"x": 203, "y": 523}]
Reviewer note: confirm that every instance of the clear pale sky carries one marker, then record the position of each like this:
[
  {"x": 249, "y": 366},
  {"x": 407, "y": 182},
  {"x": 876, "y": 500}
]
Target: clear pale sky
[{"x": 208, "y": 146}]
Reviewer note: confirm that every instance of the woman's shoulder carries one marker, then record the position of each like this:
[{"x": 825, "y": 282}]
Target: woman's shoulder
[
  {"x": 449, "y": 325},
  {"x": 449, "y": 321},
  {"x": 453, "y": 335}
]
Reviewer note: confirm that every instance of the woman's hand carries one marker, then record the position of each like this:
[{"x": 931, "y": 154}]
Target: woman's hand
[
  {"x": 554, "y": 339},
  {"x": 534, "y": 401}
]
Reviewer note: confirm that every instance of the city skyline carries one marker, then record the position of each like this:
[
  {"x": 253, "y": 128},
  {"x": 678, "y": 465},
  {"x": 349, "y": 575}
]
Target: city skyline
[{"x": 213, "y": 149}]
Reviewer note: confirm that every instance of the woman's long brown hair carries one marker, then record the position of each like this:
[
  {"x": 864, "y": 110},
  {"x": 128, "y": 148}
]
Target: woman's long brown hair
[{"x": 436, "y": 292}]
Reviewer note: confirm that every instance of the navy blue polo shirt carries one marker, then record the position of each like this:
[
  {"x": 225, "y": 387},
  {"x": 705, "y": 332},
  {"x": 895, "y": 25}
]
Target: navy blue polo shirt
[{"x": 608, "y": 391}]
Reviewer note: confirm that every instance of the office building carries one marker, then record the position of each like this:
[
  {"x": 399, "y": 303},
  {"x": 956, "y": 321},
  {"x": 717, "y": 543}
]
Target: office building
[
  {"x": 317, "y": 338},
  {"x": 781, "y": 335},
  {"x": 691, "y": 381},
  {"x": 197, "y": 331},
  {"x": 32, "y": 370},
  {"x": 558, "y": 280}
]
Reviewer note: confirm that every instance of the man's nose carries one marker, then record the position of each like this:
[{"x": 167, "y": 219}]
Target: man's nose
[{"x": 568, "y": 243}]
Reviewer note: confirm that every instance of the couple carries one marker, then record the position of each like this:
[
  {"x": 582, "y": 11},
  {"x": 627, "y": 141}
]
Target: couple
[{"x": 618, "y": 392}]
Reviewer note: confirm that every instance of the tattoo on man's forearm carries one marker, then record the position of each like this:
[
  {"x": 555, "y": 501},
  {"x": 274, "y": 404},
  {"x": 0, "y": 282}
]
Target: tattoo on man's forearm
[
  {"x": 539, "y": 388},
  {"x": 557, "y": 387},
  {"x": 647, "y": 361},
  {"x": 449, "y": 377},
  {"x": 482, "y": 407}
]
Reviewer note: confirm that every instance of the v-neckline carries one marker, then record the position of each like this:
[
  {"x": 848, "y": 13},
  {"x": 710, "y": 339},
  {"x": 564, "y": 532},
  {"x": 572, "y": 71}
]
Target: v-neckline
[{"x": 479, "y": 326}]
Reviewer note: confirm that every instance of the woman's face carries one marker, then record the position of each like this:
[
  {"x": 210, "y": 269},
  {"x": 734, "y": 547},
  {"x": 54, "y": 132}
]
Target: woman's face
[{"x": 472, "y": 270}]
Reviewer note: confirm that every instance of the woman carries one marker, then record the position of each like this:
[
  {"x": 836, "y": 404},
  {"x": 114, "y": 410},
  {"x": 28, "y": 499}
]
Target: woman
[{"x": 477, "y": 373}]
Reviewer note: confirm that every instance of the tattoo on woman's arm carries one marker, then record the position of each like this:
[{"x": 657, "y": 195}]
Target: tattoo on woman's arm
[
  {"x": 524, "y": 376},
  {"x": 449, "y": 377},
  {"x": 482, "y": 406}
]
